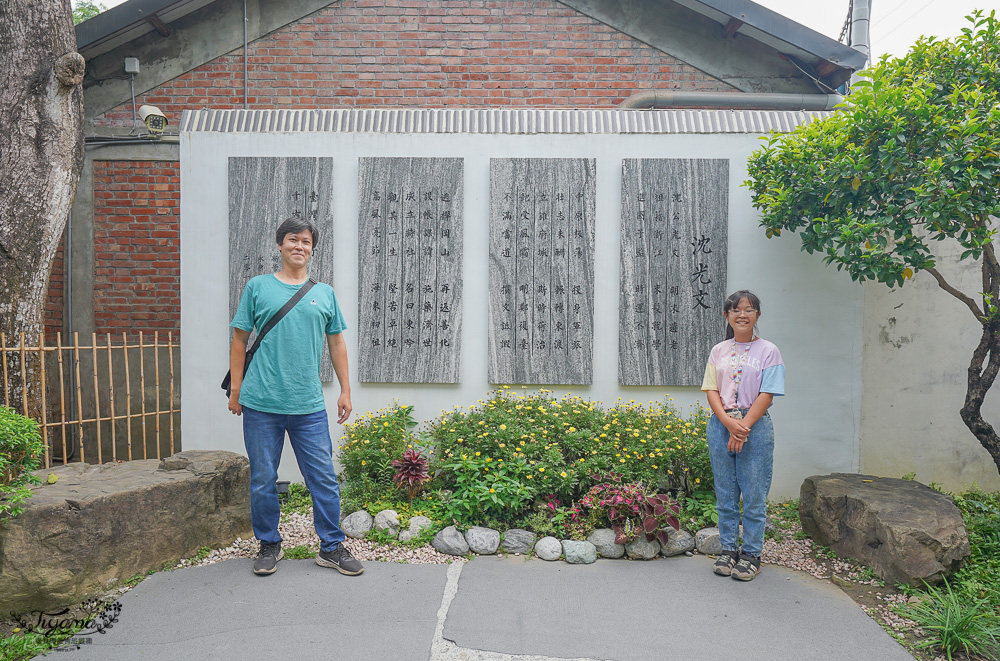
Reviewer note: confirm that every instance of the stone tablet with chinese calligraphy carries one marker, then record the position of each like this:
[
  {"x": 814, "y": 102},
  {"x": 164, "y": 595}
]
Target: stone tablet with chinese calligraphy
[
  {"x": 674, "y": 231},
  {"x": 541, "y": 270},
  {"x": 262, "y": 193},
  {"x": 410, "y": 270}
]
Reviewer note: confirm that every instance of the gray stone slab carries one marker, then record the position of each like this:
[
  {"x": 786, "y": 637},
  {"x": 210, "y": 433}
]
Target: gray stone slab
[
  {"x": 410, "y": 262},
  {"x": 303, "y": 611},
  {"x": 674, "y": 248},
  {"x": 264, "y": 191},
  {"x": 672, "y": 608},
  {"x": 541, "y": 273}
]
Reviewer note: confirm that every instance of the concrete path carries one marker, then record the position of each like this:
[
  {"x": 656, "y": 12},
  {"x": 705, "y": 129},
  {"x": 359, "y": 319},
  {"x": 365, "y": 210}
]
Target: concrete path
[{"x": 490, "y": 609}]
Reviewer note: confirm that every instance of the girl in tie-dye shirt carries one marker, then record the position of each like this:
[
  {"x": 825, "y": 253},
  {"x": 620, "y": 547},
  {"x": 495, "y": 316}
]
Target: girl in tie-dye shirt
[{"x": 743, "y": 375}]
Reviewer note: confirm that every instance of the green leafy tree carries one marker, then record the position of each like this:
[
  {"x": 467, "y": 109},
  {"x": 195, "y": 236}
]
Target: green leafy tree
[
  {"x": 86, "y": 9},
  {"x": 913, "y": 160}
]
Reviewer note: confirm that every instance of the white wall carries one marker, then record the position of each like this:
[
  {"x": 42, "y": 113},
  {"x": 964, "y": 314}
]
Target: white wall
[
  {"x": 918, "y": 345},
  {"x": 812, "y": 313}
]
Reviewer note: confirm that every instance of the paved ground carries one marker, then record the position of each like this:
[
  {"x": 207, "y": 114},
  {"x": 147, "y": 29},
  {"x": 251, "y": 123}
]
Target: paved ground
[{"x": 490, "y": 609}]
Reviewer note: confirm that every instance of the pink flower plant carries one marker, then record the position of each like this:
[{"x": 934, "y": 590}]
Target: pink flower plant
[{"x": 630, "y": 509}]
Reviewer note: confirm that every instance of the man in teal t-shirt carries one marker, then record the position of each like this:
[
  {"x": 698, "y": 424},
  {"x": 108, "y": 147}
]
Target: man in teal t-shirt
[{"x": 281, "y": 393}]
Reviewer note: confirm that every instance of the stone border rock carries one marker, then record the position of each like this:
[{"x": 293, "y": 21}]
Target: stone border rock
[{"x": 487, "y": 541}]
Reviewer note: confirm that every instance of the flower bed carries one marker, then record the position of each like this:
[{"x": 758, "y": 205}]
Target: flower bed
[{"x": 529, "y": 460}]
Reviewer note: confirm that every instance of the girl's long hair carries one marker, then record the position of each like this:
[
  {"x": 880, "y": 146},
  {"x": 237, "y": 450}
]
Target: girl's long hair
[{"x": 733, "y": 301}]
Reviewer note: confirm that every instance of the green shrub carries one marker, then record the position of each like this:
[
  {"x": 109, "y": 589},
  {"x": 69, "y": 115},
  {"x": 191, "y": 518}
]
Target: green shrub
[
  {"x": 373, "y": 442},
  {"x": 486, "y": 490},
  {"x": 564, "y": 444},
  {"x": 21, "y": 452}
]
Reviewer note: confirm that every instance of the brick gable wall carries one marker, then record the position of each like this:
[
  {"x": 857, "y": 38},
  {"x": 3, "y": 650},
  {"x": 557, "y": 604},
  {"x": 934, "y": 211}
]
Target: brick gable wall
[{"x": 431, "y": 54}]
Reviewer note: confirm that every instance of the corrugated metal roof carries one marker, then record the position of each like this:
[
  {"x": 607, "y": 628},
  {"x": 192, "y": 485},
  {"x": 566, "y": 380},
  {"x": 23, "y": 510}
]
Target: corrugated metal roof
[{"x": 494, "y": 121}]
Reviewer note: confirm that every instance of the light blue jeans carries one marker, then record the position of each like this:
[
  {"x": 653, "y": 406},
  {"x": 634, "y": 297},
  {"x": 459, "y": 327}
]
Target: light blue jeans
[
  {"x": 746, "y": 474},
  {"x": 309, "y": 434}
]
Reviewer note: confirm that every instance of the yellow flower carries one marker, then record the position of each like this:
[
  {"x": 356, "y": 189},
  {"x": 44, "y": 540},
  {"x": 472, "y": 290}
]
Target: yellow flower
[
  {"x": 491, "y": 490},
  {"x": 477, "y": 454},
  {"x": 362, "y": 462},
  {"x": 541, "y": 470},
  {"x": 503, "y": 426},
  {"x": 572, "y": 428},
  {"x": 563, "y": 473}
]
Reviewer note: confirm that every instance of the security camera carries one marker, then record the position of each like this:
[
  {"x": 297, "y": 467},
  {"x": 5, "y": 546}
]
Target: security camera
[{"x": 154, "y": 120}]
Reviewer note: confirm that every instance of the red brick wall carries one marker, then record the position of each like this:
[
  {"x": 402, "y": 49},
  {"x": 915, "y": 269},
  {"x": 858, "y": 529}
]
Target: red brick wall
[
  {"x": 431, "y": 54},
  {"x": 137, "y": 247},
  {"x": 54, "y": 303}
]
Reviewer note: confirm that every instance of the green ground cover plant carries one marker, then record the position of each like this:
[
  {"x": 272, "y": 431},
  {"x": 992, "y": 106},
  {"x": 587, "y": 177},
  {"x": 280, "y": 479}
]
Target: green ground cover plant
[
  {"x": 23, "y": 646},
  {"x": 964, "y": 615},
  {"x": 21, "y": 452}
]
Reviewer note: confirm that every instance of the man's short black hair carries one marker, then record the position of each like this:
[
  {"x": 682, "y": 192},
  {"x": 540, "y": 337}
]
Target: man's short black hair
[{"x": 294, "y": 225}]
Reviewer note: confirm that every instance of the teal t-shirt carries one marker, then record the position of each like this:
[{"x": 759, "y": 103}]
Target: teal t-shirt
[{"x": 284, "y": 374}]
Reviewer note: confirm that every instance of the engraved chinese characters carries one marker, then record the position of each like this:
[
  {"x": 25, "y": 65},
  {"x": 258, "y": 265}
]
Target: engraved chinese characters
[
  {"x": 673, "y": 268},
  {"x": 262, "y": 193},
  {"x": 410, "y": 270},
  {"x": 541, "y": 277}
]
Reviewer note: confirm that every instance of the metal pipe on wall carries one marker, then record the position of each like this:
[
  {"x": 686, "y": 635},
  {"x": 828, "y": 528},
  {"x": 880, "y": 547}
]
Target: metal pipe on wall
[
  {"x": 246, "y": 85},
  {"x": 860, "y": 25},
  {"x": 731, "y": 100}
]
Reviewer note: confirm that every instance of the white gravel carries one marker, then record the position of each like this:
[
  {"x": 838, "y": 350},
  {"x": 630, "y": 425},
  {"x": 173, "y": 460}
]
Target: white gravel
[{"x": 297, "y": 530}]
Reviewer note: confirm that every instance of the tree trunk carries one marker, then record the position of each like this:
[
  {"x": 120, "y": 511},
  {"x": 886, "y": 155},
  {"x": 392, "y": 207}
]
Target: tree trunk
[
  {"x": 985, "y": 362},
  {"x": 980, "y": 380},
  {"x": 41, "y": 155}
]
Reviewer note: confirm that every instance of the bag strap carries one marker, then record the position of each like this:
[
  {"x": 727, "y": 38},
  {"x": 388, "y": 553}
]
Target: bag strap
[{"x": 296, "y": 297}]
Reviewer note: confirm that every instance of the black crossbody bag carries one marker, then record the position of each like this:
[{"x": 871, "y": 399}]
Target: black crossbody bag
[{"x": 227, "y": 382}]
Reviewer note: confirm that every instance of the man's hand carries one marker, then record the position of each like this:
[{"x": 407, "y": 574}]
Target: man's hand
[
  {"x": 344, "y": 407},
  {"x": 234, "y": 403}
]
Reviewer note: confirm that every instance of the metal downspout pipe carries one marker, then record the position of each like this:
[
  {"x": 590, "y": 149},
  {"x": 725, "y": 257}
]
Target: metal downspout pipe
[
  {"x": 730, "y": 100},
  {"x": 860, "y": 31}
]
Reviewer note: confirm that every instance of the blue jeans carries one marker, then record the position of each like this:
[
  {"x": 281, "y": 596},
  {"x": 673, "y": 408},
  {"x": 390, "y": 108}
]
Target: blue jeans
[
  {"x": 746, "y": 474},
  {"x": 309, "y": 434}
]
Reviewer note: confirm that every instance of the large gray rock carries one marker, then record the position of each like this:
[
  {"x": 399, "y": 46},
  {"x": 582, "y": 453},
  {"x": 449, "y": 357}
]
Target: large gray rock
[
  {"x": 579, "y": 553},
  {"x": 482, "y": 541},
  {"x": 358, "y": 524},
  {"x": 548, "y": 548},
  {"x": 640, "y": 549},
  {"x": 417, "y": 525},
  {"x": 603, "y": 540},
  {"x": 516, "y": 540},
  {"x": 707, "y": 541},
  {"x": 450, "y": 541},
  {"x": 387, "y": 520},
  {"x": 100, "y": 525},
  {"x": 905, "y": 531},
  {"x": 678, "y": 542}
]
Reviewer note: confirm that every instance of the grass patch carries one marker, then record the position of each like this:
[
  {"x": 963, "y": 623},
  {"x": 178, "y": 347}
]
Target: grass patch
[
  {"x": 300, "y": 552},
  {"x": 20, "y": 646}
]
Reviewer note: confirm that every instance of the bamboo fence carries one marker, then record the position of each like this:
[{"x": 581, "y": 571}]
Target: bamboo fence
[{"x": 60, "y": 373}]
